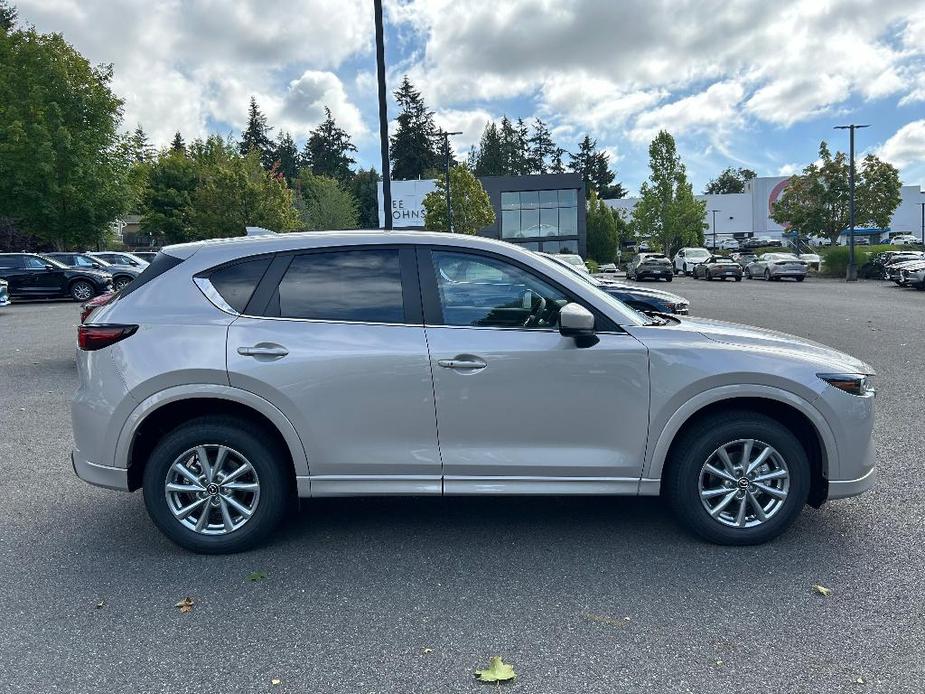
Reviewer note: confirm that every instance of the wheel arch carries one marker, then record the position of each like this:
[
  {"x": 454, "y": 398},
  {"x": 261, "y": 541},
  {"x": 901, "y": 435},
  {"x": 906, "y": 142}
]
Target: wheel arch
[
  {"x": 169, "y": 408},
  {"x": 798, "y": 415}
]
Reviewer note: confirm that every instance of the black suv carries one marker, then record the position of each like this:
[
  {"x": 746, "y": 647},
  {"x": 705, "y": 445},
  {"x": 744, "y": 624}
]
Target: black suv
[
  {"x": 121, "y": 274},
  {"x": 34, "y": 276}
]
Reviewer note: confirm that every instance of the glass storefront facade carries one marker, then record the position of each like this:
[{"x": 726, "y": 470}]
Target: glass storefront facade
[{"x": 542, "y": 213}]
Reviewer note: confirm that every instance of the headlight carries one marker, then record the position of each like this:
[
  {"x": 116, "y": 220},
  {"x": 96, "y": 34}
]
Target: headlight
[{"x": 855, "y": 384}]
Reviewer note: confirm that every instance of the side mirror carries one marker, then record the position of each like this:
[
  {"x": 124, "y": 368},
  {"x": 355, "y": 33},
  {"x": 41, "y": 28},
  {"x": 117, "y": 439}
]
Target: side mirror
[{"x": 576, "y": 321}]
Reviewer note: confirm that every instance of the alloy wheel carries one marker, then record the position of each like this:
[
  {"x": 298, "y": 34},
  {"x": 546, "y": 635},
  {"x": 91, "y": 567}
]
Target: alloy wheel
[
  {"x": 82, "y": 291},
  {"x": 212, "y": 489},
  {"x": 744, "y": 483}
]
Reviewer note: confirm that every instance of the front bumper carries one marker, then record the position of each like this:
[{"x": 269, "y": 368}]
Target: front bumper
[
  {"x": 841, "y": 489},
  {"x": 99, "y": 475}
]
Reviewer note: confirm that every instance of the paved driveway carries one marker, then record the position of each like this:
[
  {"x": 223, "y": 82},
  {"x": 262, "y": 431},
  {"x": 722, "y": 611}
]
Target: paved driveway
[{"x": 407, "y": 595}]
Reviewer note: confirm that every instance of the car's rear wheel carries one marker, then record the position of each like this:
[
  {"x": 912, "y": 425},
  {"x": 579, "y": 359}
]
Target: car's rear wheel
[
  {"x": 767, "y": 275},
  {"x": 215, "y": 485},
  {"x": 748, "y": 274},
  {"x": 739, "y": 479},
  {"x": 81, "y": 290},
  {"x": 668, "y": 278},
  {"x": 800, "y": 279}
]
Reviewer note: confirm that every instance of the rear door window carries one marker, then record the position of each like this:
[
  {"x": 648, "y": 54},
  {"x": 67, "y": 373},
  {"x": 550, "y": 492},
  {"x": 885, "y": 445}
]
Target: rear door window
[{"x": 348, "y": 285}]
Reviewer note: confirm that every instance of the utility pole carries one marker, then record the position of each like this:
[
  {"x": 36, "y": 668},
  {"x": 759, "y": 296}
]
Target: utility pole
[
  {"x": 383, "y": 119},
  {"x": 446, "y": 168},
  {"x": 852, "y": 274},
  {"x": 714, "y": 228}
]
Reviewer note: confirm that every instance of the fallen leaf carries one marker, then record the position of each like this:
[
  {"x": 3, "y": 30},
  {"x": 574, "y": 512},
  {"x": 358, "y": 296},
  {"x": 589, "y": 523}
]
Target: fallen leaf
[
  {"x": 257, "y": 576},
  {"x": 497, "y": 671},
  {"x": 185, "y": 605},
  {"x": 719, "y": 663},
  {"x": 276, "y": 682},
  {"x": 428, "y": 650},
  {"x": 101, "y": 604},
  {"x": 822, "y": 590},
  {"x": 860, "y": 680}
]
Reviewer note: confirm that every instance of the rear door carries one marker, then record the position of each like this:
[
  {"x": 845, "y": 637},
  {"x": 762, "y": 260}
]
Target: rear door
[
  {"x": 335, "y": 339},
  {"x": 520, "y": 408}
]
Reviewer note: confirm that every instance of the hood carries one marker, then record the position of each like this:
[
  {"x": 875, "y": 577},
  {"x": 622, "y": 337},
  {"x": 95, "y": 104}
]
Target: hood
[
  {"x": 127, "y": 269},
  {"x": 760, "y": 338},
  {"x": 646, "y": 291}
]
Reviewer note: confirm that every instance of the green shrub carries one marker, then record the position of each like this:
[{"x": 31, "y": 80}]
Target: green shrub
[
  {"x": 835, "y": 258},
  {"x": 592, "y": 265}
]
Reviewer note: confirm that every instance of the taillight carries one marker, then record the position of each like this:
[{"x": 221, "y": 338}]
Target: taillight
[
  {"x": 92, "y": 337},
  {"x": 87, "y": 308}
]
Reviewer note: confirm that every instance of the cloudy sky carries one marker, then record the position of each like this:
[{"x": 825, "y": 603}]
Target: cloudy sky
[{"x": 742, "y": 83}]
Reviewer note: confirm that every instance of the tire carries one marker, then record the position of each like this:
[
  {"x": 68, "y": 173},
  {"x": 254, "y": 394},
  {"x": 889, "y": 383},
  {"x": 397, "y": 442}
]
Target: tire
[
  {"x": 800, "y": 279},
  {"x": 767, "y": 275},
  {"x": 685, "y": 472},
  {"x": 82, "y": 290},
  {"x": 669, "y": 278},
  {"x": 738, "y": 278},
  {"x": 121, "y": 283},
  {"x": 748, "y": 274},
  {"x": 708, "y": 276},
  {"x": 246, "y": 443},
  {"x": 684, "y": 270}
]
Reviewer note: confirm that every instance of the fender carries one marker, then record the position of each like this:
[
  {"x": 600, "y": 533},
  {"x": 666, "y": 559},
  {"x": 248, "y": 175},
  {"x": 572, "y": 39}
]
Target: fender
[
  {"x": 658, "y": 453},
  {"x": 211, "y": 390}
]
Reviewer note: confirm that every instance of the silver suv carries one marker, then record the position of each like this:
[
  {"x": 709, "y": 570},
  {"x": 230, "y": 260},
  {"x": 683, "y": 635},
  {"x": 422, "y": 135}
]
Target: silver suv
[{"x": 235, "y": 375}]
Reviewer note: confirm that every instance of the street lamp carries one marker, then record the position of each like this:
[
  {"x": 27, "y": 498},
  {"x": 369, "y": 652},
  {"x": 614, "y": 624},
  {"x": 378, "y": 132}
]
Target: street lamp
[
  {"x": 852, "y": 275},
  {"x": 922, "y": 205},
  {"x": 714, "y": 227},
  {"x": 383, "y": 118},
  {"x": 446, "y": 167}
]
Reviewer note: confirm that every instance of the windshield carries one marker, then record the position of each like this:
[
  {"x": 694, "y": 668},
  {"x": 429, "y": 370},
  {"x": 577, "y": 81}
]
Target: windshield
[
  {"x": 697, "y": 252},
  {"x": 633, "y": 316}
]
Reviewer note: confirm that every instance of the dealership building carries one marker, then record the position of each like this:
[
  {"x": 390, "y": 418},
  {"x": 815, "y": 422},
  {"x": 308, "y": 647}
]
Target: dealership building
[
  {"x": 748, "y": 214},
  {"x": 543, "y": 213}
]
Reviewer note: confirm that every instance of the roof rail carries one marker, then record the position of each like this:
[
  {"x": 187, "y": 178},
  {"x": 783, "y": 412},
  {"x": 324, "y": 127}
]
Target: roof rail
[{"x": 258, "y": 231}]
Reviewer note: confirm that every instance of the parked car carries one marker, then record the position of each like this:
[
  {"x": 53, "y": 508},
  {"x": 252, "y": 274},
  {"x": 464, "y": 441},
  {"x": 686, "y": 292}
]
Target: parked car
[
  {"x": 720, "y": 268},
  {"x": 146, "y": 256},
  {"x": 813, "y": 260},
  {"x": 575, "y": 260},
  {"x": 743, "y": 259},
  {"x": 120, "y": 258},
  {"x": 644, "y": 299},
  {"x": 876, "y": 265},
  {"x": 903, "y": 240},
  {"x": 223, "y": 384},
  {"x": 89, "y": 306},
  {"x": 729, "y": 245},
  {"x": 776, "y": 266},
  {"x": 894, "y": 270},
  {"x": 686, "y": 258},
  {"x": 121, "y": 274},
  {"x": 649, "y": 265},
  {"x": 607, "y": 269},
  {"x": 4, "y": 293},
  {"x": 913, "y": 275},
  {"x": 33, "y": 276}
]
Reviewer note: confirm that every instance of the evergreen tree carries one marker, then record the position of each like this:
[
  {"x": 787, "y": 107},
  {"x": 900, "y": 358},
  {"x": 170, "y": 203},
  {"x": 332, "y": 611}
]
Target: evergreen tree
[
  {"x": 178, "y": 145},
  {"x": 603, "y": 231},
  {"x": 510, "y": 149},
  {"x": 256, "y": 135},
  {"x": 542, "y": 148},
  {"x": 364, "y": 186},
  {"x": 594, "y": 167},
  {"x": 520, "y": 166},
  {"x": 286, "y": 157},
  {"x": 327, "y": 151},
  {"x": 556, "y": 165},
  {"x": 413, "y": 146},
  {"x": 489, "y": 160},
  {"x": 139, "y": 148}
]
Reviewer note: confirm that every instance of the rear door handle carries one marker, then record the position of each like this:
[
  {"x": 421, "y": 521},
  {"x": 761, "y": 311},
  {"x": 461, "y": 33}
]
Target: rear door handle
[
  {"x": 463, "y": 362},
  {"x": 263, "y": 350}
]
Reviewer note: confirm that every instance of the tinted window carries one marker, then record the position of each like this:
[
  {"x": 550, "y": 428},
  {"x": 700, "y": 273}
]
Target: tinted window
[
  {"x": 363, "y": 285},
  {"x": 32, "y": 262},
  {"x": 11, "y": 261},
  {"x": 236, "y": 283},
  {"x": 480, "y": 291}
]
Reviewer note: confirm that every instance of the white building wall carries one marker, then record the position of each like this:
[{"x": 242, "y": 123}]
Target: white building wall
[{"x": 407, "y": 203}]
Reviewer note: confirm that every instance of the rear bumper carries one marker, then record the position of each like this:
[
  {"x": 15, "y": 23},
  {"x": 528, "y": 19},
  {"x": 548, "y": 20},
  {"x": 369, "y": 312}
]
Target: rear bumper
[{"x": 99, "y": 475}]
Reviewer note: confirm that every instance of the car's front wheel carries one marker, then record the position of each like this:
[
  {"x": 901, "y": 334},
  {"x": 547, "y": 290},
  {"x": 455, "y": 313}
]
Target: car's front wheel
[
  {"x": 121, "y": 283},
  {"x": 738, "y": 479},
  {"x": 81, "y": 290},
  {"x": 215, "y": 485}
]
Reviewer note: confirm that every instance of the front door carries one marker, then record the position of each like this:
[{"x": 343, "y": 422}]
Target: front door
[
  {"x": 45, "y": 279},
  {"x": 340, "y": 349},
  {"x": 520, "y": 408}
]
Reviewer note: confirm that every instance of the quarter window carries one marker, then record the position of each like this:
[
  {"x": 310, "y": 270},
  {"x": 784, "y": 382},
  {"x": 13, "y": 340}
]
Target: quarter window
[
  {"x": 236, "y": 283},
  {"x": 362, "y": 285},
  {"x": 480, "y": 291}
]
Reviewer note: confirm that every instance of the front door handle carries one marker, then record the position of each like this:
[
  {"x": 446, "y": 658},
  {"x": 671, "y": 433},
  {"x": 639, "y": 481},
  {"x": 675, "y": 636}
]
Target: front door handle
[
  {"x": 463, "y": 362},
  {"x": 263, "y": 350}
]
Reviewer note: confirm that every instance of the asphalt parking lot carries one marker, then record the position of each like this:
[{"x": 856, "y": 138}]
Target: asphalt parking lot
[{"x": 410, "y": 595}]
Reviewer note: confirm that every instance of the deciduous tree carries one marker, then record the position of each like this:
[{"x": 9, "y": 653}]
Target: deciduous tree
[
  {"x": 364, "y": 186},
  {"x": 729, "y": 181},
  {"x": 472, "y": 208},
  {"x": 325, "y": 204},
  {"x": 603, "y": 230},
  {"x": 817, "y": 202}
]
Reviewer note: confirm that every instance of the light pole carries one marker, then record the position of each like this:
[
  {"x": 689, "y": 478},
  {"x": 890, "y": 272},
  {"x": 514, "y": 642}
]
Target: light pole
[
  {"x": 922, "y": 205},
  {"x": 383, "y": 118},
  {"x": 714, "y": 227},
  {"x": 852, "y": 275},
  {"x": 446, "y": 167}
]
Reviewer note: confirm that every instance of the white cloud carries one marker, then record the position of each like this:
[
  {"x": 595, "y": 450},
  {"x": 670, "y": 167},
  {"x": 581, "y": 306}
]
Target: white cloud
[
  {"x": 307, "y": 97},
  {"x": 182, "y": 64},
  {"x": 906, "y": 147},
  {"x": 470, "y": 123},
  {"x": 714, "y": 110}
]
